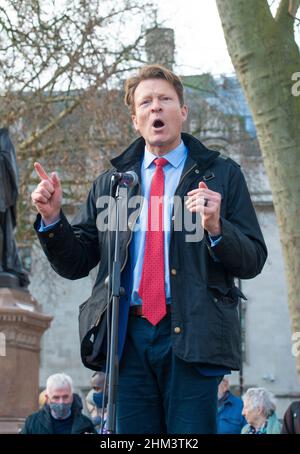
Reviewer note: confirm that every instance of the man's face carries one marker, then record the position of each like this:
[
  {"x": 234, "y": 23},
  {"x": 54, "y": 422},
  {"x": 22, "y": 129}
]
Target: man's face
[
  {"x": 158, "y": 115},
  {"x": 59, "y": 395}
]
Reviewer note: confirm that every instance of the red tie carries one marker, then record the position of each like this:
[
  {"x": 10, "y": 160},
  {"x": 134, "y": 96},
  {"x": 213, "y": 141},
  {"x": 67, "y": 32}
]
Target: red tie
[{"x": 152, "y": 285}]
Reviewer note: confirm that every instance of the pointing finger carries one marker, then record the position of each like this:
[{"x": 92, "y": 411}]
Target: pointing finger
[{"x": 40, "y": 171}]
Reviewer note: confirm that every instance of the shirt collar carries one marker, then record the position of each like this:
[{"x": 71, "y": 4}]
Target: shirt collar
[{"x": 175, "y": 157}]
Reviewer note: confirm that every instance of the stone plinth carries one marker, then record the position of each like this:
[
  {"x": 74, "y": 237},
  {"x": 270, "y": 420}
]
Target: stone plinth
[{"x": 21, "y": 326}]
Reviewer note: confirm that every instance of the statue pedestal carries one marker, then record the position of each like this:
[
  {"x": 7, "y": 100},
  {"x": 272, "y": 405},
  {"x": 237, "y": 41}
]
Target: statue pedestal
[{"x": 21, "y": 326}]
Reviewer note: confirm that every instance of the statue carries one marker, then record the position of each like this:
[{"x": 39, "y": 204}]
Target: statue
[{"x": 12, "y": 273}]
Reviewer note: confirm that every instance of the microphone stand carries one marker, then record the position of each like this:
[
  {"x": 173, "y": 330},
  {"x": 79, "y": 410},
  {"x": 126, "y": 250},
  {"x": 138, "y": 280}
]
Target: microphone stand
[{"x": 114, "y": 286}]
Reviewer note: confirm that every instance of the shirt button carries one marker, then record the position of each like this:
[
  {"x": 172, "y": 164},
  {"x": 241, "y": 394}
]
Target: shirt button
[
  {"x": 173, "y": 272},
  {"x": 197, "y": 171},
  {"x": 173, "y": 218},
  {"x": 51, "y": 235},
  {"x": 215, "y": 300},
  {"x": 177, "y": 330}
]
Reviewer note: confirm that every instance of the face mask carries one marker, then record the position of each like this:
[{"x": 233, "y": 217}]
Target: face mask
[
  {"x": 60, "y": 411},
  {"x": 98, "y": 398}
]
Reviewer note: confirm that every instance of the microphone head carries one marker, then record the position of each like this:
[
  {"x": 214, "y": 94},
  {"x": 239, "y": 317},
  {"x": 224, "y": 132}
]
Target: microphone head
[
  {"x": 134, "y": 178},
  {"x": 126, "y": 179}
]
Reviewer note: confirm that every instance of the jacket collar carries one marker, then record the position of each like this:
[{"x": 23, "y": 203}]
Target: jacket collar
[{"x": 198, "y": 154}]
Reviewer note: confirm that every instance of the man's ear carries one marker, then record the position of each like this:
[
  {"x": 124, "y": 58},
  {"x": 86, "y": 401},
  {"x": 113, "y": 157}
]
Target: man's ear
[
  {"x": 184, "y": 112},
  {"x": 47, "y": 398},
  {"x": 134, "y": 121}
]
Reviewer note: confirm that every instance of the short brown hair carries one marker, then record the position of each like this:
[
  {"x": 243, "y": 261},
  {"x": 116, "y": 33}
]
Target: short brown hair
[{"x": 151, "y": 72}]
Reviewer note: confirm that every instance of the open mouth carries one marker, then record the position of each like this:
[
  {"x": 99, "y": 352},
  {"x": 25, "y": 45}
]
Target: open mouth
[{"x": 157, "y": 124}]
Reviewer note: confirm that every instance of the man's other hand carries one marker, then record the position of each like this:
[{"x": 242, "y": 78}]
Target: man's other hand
[{"x": 208, "y": 203}]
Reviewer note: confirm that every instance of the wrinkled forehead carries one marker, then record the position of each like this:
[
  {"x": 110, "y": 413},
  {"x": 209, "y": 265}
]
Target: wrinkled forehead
[
  {"x": 154, "y": 87},
  {"x": 59, "y": 391},
  {"x": 248, "y": 404}
]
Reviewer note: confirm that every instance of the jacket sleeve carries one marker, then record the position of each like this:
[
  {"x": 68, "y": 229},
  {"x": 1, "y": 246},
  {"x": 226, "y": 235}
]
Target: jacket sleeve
[
  {"x": 73, "y": 250},
  {"x": 287, "y": 424},
  {"x": 26, "y": 428},
  {"x": 242, "y": 249}
]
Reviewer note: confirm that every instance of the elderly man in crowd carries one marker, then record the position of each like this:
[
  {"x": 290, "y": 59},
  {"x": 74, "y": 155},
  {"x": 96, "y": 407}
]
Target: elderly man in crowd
[
  {"x": 259, "y": 411},
  {"x": 61, "y": 413}
]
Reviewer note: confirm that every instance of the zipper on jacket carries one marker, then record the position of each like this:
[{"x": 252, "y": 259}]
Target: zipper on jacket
[
  {"x": 173, "y": 214},
  {"x": 183, "y": 176},
  {"x": 180, "y": 182}
]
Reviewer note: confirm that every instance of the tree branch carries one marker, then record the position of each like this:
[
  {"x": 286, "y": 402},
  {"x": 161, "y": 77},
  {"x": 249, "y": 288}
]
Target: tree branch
[
  {"x": 38, "y": 134},
  {"x": 293, "y": 7},
  {"x": 286, "y": 12}
]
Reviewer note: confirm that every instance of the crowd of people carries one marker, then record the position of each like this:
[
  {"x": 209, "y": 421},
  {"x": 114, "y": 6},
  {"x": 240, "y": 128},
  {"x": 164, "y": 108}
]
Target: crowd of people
[
  {"x": 61, "y": 410},
  {"x": 254, "y": 413}
]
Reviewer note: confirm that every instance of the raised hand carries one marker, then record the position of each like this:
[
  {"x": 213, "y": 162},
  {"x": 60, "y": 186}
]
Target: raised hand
[{"x": 47, "y": 196}]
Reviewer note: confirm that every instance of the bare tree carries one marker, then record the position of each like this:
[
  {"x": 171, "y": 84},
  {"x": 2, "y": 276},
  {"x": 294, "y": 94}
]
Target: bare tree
[
  {"x": 61, "y": 69},
  {"x": 266, "y": 58}
]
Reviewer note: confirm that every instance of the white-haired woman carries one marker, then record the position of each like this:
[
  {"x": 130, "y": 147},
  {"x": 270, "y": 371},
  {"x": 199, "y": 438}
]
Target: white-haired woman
[{"x": 259, "y": 411}]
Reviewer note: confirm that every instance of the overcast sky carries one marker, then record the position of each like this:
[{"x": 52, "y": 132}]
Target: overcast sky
[{"x": 200, "y": 43}]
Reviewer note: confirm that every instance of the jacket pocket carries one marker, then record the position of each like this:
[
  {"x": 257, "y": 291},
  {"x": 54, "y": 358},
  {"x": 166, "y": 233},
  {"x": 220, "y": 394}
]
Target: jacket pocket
[
  {"x": 227, "y": 295},
  {"x": 225, "y": 302}
]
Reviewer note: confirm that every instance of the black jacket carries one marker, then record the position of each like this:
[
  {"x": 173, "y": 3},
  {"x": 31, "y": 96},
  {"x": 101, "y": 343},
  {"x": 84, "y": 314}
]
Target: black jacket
[
  {"x": 291, "y": 419},
  {"x": 205, "y": 322},
  {"x": 41, "y": 422}
]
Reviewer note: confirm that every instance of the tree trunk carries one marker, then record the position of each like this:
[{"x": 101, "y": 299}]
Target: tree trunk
[{"x": 265, "y": 57}]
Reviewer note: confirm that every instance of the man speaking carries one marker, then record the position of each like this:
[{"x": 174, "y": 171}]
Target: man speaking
[{"x": 179, "y": 324}]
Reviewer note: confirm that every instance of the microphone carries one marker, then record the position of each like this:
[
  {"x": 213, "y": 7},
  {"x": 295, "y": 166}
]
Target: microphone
[{"x": 127, "y": 179}]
